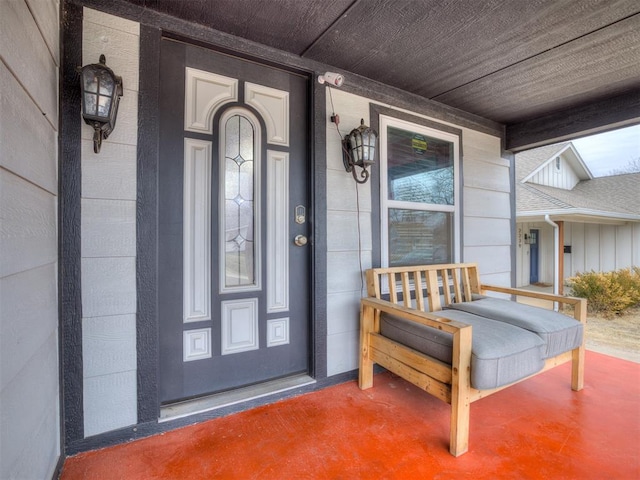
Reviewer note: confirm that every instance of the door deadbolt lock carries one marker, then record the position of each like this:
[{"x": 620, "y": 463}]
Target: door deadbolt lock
[
  {"x": 300, "y": 240},
  {"x": 301, "y": 214}
]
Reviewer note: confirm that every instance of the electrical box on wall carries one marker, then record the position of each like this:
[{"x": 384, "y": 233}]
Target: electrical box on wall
[{"x": 567, "y": 249}]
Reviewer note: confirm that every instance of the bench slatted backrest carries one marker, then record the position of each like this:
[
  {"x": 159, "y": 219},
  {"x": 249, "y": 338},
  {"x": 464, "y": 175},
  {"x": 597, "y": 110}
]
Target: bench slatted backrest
[{"x": 443, "y": 284}]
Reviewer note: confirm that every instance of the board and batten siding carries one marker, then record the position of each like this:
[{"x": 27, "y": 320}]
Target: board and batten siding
[
  {"x": 486, "y": 223},
  {"x": 108, "y": 237},
  {"x": 564, "y": 177},
  {"x": 602, "y": 248},
  {"x": 597, "y": 247},
  {"x": 29, "y": 373}
]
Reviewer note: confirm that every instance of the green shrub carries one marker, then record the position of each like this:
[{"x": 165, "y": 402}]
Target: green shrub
[{"x": 609, "y": 293}]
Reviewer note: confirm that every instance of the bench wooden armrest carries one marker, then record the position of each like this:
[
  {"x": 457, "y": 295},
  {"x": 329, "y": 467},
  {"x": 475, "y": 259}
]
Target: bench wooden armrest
[
  {"x": 413, "y": 315},
  {"x": 579, "y": 304}
]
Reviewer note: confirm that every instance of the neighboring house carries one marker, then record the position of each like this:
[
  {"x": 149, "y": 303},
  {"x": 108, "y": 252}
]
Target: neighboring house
[
  {"x": 597, "y": 219},
  {"x": 173, "y": 265}
]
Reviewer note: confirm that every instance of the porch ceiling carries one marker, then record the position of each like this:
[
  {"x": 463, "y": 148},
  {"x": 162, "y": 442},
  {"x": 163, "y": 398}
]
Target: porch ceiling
[{"x": 511, "y": 61}]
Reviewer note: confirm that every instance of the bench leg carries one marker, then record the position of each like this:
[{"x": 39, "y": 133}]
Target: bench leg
[
  {"x": 577, "y": 355},
  {"x": 460, "y": 392},
  {"x": 459, "y": 441},
  {"x": 365, "y": 376},
  {"x": 577, "y": 368}
]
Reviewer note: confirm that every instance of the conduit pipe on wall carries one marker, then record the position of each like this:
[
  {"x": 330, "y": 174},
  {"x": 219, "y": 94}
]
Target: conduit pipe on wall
[{"x": 556, "y": 257}]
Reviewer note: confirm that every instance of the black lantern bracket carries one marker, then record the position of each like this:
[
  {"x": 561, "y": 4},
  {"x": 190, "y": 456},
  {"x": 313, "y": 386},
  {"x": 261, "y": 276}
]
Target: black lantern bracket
[
  {"x": 101, "y": 93},
  {"x": 359, "y": 150}
]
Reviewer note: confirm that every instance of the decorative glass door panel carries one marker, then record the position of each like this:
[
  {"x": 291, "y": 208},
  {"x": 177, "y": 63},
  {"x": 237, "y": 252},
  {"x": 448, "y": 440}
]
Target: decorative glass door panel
[
  {"x": 240, "y": 262},
  {"x": 232, "y": 168}
]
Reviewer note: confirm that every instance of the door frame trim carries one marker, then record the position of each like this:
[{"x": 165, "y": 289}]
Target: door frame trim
[{"x": 147, "y": 330}]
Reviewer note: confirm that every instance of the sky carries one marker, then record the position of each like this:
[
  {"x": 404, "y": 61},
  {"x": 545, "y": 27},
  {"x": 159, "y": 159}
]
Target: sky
[{"x": 610, "y": 150}]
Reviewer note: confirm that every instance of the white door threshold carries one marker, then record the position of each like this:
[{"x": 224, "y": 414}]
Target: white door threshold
[{"x": 225, "y": 399}]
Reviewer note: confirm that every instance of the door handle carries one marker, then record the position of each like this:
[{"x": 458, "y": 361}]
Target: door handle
[{"x": 300, "y": 240}]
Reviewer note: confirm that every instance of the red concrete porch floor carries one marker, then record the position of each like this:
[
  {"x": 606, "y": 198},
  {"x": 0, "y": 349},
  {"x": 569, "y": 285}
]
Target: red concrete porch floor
[{"x": 538, "y": 429}]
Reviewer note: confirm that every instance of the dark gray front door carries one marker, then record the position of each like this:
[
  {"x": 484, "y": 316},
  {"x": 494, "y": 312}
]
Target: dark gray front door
[{"x": 233, "y": 290}]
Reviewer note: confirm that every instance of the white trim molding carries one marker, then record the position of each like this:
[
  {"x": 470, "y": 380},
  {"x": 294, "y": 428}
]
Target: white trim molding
[
  {"x": 277, "y": 231},
  {"x": 239, "y": 322},
  {"x": 205, "y": 93},
  {"x": 273, "y": 105},
  {"x": 197, "y": 231}
]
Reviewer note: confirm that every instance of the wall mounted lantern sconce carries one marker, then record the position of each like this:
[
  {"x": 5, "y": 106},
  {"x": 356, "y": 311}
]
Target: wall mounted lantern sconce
[
  {"x": 359, "y": 150},
  {"x": 101, "y": 92}
]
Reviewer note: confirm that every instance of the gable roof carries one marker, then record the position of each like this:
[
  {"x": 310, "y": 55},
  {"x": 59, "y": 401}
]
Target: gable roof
[
  {"x": 603, "y": 199},
  {"x": 530, "y": 162}
]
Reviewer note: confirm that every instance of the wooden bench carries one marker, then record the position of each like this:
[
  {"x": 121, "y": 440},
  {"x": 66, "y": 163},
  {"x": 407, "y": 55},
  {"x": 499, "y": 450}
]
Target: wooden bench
[{"x": 424, "y": 296}]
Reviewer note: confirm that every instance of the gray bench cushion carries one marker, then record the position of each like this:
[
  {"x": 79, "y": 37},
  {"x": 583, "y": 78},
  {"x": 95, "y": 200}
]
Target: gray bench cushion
[
  {"x": 501, "y": 353},
  {"x": 560, "y": 333}
]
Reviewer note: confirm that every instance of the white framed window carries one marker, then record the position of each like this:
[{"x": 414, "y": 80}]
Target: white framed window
[{"x": 419, "y": 194}]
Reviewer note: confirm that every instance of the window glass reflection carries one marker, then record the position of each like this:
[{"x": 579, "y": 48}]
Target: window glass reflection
[
  {"x": 419, "y": 237},
  {"x": 419, "y": 168}
]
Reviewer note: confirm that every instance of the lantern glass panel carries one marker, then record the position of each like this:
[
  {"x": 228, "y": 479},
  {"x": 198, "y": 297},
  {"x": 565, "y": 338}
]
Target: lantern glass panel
[
  {"x": 90, "y": 81},
  {"x": 90, "y": 104},
  {"x": 104, "y": 106},
  {"x": 106, "y": 83},
  {"x": 356, "y": 142}
]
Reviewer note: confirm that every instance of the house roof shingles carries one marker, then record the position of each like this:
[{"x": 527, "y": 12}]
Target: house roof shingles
[{"x": 615, "y": 195}]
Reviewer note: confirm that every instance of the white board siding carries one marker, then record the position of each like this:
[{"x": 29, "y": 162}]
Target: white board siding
[
  {"x": 344, "y": 278},
  {"x": 486, "y": 232},
  {"x": 486, "y": 203},
  {"x": 111, "y": 174},
  {"x": 109, "y": 192},
  {"x": 109, "y": 345},
  {"x": 28, "y": 400},
  {"x": 342, "y": 231},
  {"x": 342, "y": 193},
  {"x": 343, "y": 352},
  {"x": 27, "y": 56},
  {"x": 108, "y": 286},
  {"x": 108, "y": 228},
  {"x": 343, "y": 312},
  {"x": 29, "y": 390},
  {"x": 101, "y": 19},
  {"x": 108, "y": 401},
  {"x": 25, "y": 135},
  {"x": 45, "y": 440},
  {"x": 481, "y": 147},
  {"x": 344, "y": 271},
  {"x": 28, "y": 230},
  {"x": 45, "y": 14},
  {"x": 29, "y": 317},
  {"x": 479, "y": 174},
  {"x": 491, "y": 259}
]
